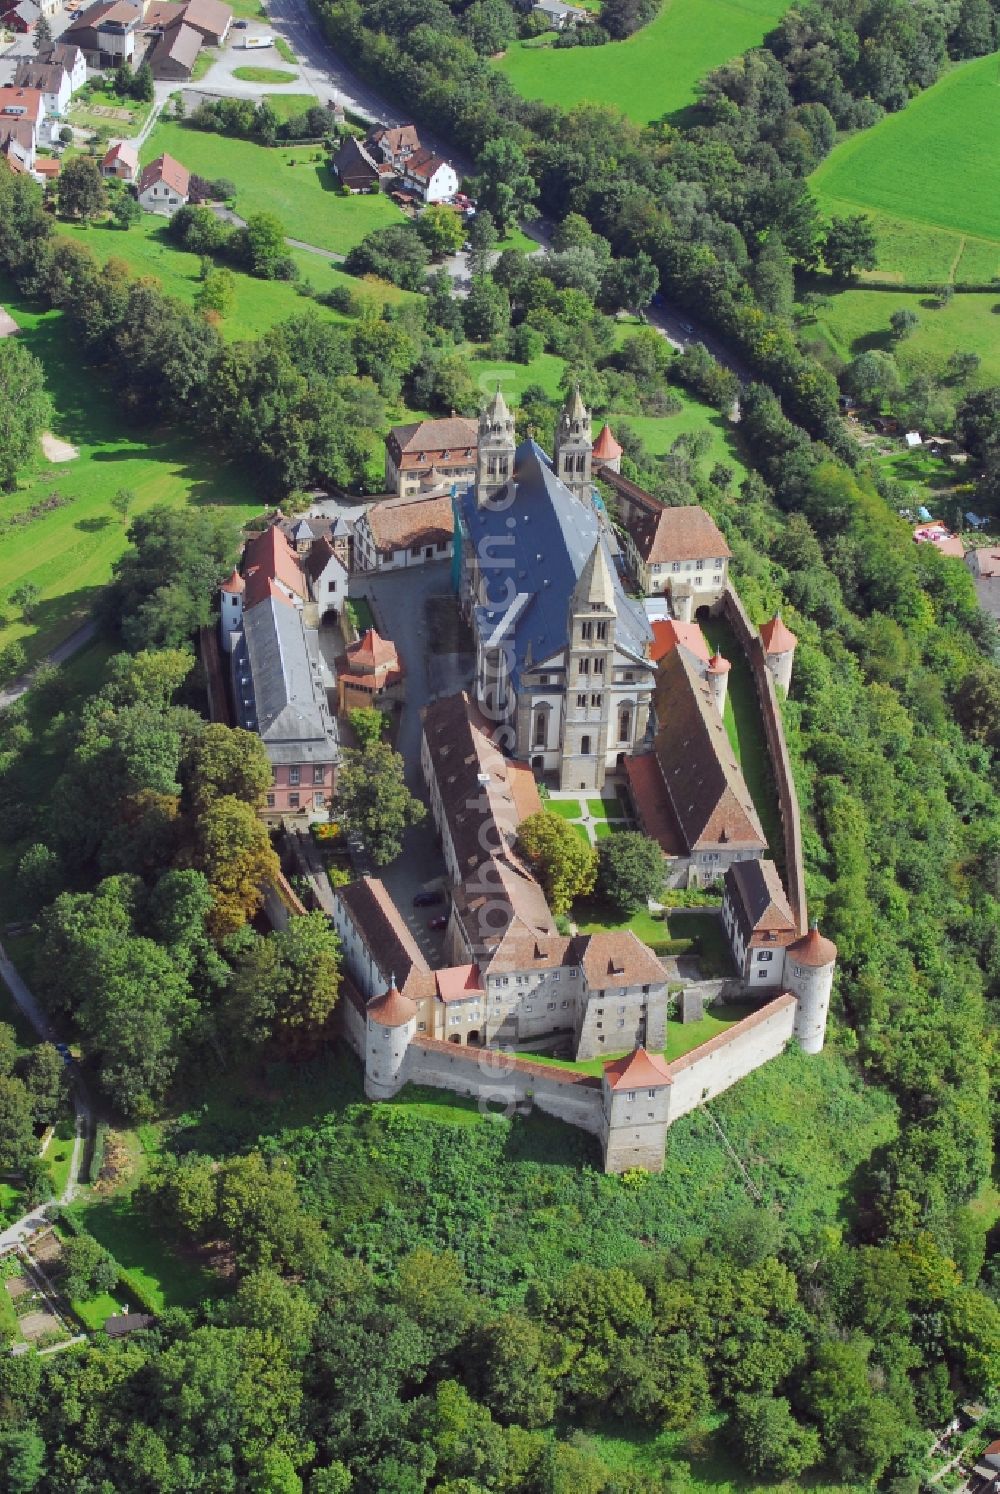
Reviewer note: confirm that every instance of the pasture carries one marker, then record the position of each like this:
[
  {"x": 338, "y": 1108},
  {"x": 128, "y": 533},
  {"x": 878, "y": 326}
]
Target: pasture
[
  {"x": 655, "y": 72},
  {"x": 930, "y": 178},
  {"x": 858, "y": 320},
  {"x": 295, "y": 183},
  {"x": 68, "y": 552},
  {"x": 259, "y": 304}
]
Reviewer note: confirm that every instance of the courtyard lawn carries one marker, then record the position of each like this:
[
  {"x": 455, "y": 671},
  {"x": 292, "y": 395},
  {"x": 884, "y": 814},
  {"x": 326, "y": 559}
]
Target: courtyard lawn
[
  {"x": 293, "y": 182},
  {"x": 855, "y": 321},
  {"x": 683, "y": 1036},
  {"x": 707, "y": 930},
  {"x": 656, "y": 71},
  {"x": 931, "y": 175},
  {"x": 593, "y": 916},
  {"x": 566, "y": 809},
  {"x": 69, "y": 551},
  {"x": 746, "y": 731},
  {"x": 259, "y": 304}
]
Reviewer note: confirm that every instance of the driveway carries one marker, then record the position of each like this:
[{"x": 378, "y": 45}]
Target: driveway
[{"x": 398, "y": 600}]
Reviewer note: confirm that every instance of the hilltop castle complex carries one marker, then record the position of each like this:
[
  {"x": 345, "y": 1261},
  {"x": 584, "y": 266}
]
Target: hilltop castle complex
[{"x": 576, "y": 681}]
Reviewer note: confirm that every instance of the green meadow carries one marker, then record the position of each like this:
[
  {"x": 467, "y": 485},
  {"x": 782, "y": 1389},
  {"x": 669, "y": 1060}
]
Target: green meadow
[
  {"x": 656, "y": 71},
  {"x": 259, "y": 304},
  {"x": 858, "y": 320},
  {"x": 929, "y": 177},
  {"x": 68, "y": 553},
  {"x": 294, "y": 182}
]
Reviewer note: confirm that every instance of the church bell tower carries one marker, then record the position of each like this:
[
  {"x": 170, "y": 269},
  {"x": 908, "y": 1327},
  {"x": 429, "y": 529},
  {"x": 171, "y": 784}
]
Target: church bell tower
[
  {"x": 574, "y": 446},
  {"x": 495, "y": 456}
]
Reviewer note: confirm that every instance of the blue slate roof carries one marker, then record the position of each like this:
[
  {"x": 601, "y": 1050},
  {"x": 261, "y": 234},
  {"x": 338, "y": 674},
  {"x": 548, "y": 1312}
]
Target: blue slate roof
[{"x": 536, "y": 538}]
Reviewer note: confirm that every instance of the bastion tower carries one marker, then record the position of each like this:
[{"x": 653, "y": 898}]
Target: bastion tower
[
  {"x": 391, "y": 1027},
  {"x": 809, "y": 966}
]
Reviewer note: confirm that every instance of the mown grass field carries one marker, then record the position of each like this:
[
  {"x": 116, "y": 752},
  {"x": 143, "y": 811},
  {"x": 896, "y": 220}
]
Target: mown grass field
[
  {"x": 656, "y": 71},
  {"x": 68, "y": 553},
  {"x": 259, "y": 304},
  {"x": 930, "y": 177},
  {"x": 855, "y": 321},
  {"x": 295, "y": 183}
]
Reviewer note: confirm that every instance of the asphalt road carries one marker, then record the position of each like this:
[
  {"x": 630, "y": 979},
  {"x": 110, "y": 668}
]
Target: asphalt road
[{"x": 65, "y": 650}]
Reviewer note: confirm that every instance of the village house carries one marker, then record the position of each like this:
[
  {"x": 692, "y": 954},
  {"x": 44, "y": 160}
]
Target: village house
[
  {"x": 444, "y": 448},
  {"x": 121, "y": 161},
  {"x": 67, "y": 56},
  {"x": 22, "y": 125},
  {"x": 428, "y": 174},
  {"x": 164, "y": 186},
  {"x": 355, "y": 166},
  {"x": 277, "y": 676},
  {"x": 105, "y": 32},
  {"x": 176, "y": 52},
  {"x": 327, "y": 576},
  {"x": 50, "y": 79},
  {"x": 559, "y": 16},
  {"x": 22, "y": 17},
  {"x": 759, "y": 922},
  {"x": 402, "y": 532},
  {"x": 370, "y": 673},
  {"x": 678, "y": 553}
]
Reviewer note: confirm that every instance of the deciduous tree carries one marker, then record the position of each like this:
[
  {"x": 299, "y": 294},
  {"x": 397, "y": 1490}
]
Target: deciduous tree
[
  {"x": 25, "y": 409},
  {"x": 565, "y": 864},
  {"x": 373, "y": 802},
  {"x": 629, "y": 871}
]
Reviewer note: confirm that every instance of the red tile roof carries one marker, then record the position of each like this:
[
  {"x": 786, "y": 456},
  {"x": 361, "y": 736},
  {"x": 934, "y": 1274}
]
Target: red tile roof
[
  {"x": 401, "y": 522},
  {"x": 372, "y": 652},
  {"x": 459, "y": 983},
  {"x": 638, "y": 1070},
  {"x": 668, "y": 633},
  {"x": 718, "y": 665},
  {"x": 652, "y": 802},
  {"x": 813, "y": 949},
  {"x": 234, "y": 584},
  {"x": 166, "y": 169},
  {"x": 667, "y": 534},
  {"x": 391, "y": 1009},
  {"x": 619, "y": 959},
  {"x": 776, "y": 637},
  {"x": 268, "y": 558},
  {"x": 122, "y": 151},
  {"x": 606, "y": 448}
]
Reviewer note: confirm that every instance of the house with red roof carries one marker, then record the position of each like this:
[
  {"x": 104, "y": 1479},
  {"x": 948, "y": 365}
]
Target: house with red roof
[
  {"x": 369, "y": 674},
  {"x": 164, "y": 186}
]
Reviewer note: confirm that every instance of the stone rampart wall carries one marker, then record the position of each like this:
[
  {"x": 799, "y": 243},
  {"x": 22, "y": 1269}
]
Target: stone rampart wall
[
  {"x": 781, "y": 766},
  {"x": 721, "y": 1062},
  {"x": 495, "y": 1078}
]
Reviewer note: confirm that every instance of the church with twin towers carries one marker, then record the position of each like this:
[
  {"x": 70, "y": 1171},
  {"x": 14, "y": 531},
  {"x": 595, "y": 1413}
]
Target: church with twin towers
[{"x": 563, "y": 663}]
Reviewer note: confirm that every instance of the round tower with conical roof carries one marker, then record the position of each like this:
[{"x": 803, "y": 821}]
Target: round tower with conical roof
[
  {"x": 607, "y": 452},
  {"x": 779, "y": 650},
  {"x": 717, "y": 674},
  {"x": 810, "y": 963},
  {"x": 390, "y": 1028},
  {"x": 574, "y": 446},
  {"x": 495, "y": 456},
  {"x": 231, "y": 608}
]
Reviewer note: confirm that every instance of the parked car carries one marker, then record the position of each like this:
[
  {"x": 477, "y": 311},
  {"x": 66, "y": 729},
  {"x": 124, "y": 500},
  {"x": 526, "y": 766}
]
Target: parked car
[
  {"x": 437, "y": 924},
  {"x": 239, "y": 25},
  {"x": 428, "y": 899}
]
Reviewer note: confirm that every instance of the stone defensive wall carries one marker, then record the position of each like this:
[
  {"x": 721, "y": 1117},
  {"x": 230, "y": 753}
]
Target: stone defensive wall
[
  {"x": 728, "y": 1057},
  {"x": 781, "y": 766},
  {"x": 499, "y": 1079}
]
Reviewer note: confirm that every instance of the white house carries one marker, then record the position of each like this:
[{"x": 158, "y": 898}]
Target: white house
[
  {"x": 432, "y": 176},
  {"x": 51, "y": 80},
  {"x": 163, "y": 186},
  {"x": 69, "y": 57},
  {"x": 400, "y": 532},
  {"x": 327, "y": 577}
]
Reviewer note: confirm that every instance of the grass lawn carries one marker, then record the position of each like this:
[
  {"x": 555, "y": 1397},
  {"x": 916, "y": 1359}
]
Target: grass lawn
[
  {"x": 247, "y": 10},
  {"x": 274, "y": 75},
  {"x": 59, "y": 1156},
  {"x": 593, "y": 916},
  {"x": 293, "y": 182},
  {"x": 681, "y": 1038},
  {"x": 284, "y": 51},
  {"x": 746, "y": 731},
  {"x": 931, "y": 174},
  {"x": 285, "y": 105},
  {"x": 90, "y": 108},
  {"x": 656, "y": 71},
  {"x": 202, "y": 63},
  {"x": 69, "y": 551},
  {"x": 363, "y": 613},
  {"x": 566, "y": 809},
  {"x": 259, "y": 304},
  {"x": 714, "y": 951},
  {"x": 855, "y": 321}
]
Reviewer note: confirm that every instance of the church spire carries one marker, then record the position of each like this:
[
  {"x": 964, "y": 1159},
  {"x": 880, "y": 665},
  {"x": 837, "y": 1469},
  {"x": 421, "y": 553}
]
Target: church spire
[
  {"x": 595, "y": 589},
  {"x": 574, "y": 445}
]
